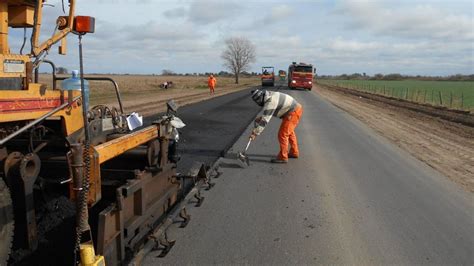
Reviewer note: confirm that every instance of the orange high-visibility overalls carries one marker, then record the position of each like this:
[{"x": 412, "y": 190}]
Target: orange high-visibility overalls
[
  {"x": 287, "y": 134},
  {"x": 211, "y": 82}
]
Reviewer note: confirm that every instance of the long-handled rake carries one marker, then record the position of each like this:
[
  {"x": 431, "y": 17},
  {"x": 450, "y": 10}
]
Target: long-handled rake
[{"x": 243, "y": 157}]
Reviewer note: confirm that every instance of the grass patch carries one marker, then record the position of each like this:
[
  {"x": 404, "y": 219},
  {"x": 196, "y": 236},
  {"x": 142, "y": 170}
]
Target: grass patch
[{"x": 452, "y": 94}]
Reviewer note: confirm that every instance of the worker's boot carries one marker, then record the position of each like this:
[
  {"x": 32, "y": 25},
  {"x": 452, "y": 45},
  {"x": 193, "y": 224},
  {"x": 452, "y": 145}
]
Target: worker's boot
[{"x": 278, "y": 160}]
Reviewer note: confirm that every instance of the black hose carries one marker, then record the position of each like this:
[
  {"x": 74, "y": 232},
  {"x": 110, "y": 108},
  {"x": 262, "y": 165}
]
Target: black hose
[
  {"x": 24, "y": 41},
  {"x": 82, "y": 211}
]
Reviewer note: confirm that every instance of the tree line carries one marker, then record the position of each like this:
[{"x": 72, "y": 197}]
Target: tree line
[
  {"x": 397, "y": 76},
  {"x": 222, "y": 73}
]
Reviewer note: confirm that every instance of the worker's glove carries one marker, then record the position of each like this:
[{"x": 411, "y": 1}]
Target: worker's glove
[{"x": 253, "y": 136}]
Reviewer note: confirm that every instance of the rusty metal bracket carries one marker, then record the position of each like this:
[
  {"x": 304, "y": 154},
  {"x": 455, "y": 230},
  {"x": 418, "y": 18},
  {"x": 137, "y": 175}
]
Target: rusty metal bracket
[
  {"x": 21, "y": 173},
  {"x": 158, "y": 240},
  {"x": 185, "y": 216},
  {"x": 199, "y": 198},
  {"x": 166, "y": 243},
  {"x": 204, "y": 176}
]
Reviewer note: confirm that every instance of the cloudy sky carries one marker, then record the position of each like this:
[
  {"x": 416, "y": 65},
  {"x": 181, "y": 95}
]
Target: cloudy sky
[{"x": 387, "y": 36}]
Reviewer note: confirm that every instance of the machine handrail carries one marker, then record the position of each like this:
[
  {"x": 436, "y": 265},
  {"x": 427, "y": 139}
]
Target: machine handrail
[
  {"x": 117, "y": 91},
  {"x": 53, "y": 66}
]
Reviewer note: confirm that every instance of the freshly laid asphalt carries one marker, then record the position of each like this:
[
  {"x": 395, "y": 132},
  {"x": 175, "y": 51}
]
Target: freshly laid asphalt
[
  {"x": 351, "y": 198},
  {"x": 212, "y": 127}
]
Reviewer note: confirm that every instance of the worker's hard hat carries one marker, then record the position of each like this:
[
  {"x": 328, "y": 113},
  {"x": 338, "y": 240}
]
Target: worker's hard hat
[{"x": 258, "y": 96}]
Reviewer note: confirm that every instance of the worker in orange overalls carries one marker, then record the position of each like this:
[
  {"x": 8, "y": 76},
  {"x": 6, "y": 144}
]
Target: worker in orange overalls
[
  {"x": 289, "y": 111},
  {"x": 211, "y": 82}
]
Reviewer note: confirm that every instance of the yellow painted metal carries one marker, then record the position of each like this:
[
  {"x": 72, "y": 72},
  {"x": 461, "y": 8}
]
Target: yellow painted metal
[
  {"x": 35, "y": 100},
  {"x": 21, "y": 16},
  {"x": 63, "y": 47},
  {"x": 37, "y": 47},
  {"x": 14, "y": 57},
  {"x": 120, "y": 145},
  {"x": 4, "y": 49},
  {"x": 88, "y": 257}
]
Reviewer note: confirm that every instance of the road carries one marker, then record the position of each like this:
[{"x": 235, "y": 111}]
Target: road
[{"x": 351, "y": 198}]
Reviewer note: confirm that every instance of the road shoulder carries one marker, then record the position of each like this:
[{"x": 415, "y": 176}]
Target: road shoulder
[{"x": 445, "y": 146}]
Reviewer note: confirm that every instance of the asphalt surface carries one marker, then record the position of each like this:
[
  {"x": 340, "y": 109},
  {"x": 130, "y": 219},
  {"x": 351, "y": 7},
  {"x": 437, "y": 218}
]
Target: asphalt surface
[
  {"x": 212, "y": 126},
  {"x": 351, "y": 198}
]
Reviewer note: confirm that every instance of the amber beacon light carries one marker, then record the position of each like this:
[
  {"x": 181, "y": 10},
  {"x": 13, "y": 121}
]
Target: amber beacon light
[{"x": 84, "y": 24}]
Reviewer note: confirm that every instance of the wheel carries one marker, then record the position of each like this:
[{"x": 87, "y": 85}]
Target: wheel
[{"x": 6, "y": 222}]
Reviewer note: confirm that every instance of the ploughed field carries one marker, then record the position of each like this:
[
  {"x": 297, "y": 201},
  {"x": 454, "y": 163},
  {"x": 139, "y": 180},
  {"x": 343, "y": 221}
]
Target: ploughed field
[{"x": 451, "y": 94}]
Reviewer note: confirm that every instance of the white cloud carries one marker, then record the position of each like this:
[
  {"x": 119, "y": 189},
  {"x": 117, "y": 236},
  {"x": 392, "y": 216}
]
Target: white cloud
[
  {"x": 412, "y": 21},
  {"x": 211, "y": 11},
  {"x": 278, "y": 13},
  {"x": 177, "y": 12},
  {"x": 350, "y": 36}
]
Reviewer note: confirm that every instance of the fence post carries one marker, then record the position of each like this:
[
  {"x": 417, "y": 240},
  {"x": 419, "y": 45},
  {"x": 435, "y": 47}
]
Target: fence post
[
  {"x": 440, "y": 98},
  {"x": 462, "y": 100},
  {"x": 450, "y": 99},
  {"x": 424, "y": 97},
  {"x": 432, "y": 96},
  {"x": 406, "y": 94}
]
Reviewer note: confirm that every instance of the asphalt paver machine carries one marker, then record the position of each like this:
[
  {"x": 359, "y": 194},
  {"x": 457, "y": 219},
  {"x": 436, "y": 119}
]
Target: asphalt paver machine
[{"x": 62, "y": 160}]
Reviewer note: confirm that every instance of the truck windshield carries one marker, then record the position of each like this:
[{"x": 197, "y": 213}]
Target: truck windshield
[{"x": 303, "y": 69}]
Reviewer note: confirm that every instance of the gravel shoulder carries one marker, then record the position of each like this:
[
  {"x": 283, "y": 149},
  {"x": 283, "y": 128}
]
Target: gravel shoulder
[{"x": 445, "y": 146}]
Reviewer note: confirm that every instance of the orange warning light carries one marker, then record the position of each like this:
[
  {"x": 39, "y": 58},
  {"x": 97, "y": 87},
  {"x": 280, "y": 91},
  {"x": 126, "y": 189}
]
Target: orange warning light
[{"x": 84, "y": 24}]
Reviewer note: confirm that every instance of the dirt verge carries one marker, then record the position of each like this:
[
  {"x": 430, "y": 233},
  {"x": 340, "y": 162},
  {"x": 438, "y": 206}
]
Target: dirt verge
[
  {"x": 435, "y": 139},
  {"x": 458, "y": 116}
]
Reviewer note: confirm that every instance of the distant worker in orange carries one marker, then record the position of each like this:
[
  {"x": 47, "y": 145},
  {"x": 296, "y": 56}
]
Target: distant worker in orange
[
  {"x": 289, "y": 111},
  {"x": 211, "y": 82}
]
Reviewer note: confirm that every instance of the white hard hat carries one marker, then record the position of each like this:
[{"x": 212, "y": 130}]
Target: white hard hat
[{"x": 258, "y": 96}]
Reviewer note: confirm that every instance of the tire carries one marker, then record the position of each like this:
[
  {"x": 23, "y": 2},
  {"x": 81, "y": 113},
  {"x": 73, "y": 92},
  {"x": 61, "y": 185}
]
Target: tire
[{"x": 6, "y": 222}]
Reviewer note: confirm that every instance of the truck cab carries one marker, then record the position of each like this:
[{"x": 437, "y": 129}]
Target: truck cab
[{"x": 300, "y": 75}]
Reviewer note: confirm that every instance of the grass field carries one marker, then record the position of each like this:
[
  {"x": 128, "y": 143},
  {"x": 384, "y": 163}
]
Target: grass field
[{"x": 452, "y": 94}]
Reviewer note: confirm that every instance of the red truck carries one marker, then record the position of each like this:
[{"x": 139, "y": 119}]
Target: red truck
[{"x": 300, "y": 76}]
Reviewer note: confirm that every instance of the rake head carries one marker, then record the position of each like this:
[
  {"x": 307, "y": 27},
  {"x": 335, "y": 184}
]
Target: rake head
[{"x": 244, "y": 158}]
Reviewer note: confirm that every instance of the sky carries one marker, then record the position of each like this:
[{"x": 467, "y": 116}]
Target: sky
[{"x": 186, "y": 36}]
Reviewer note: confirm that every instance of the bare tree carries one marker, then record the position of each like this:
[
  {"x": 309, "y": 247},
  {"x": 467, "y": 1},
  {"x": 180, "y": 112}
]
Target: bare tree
[
  {"x": 167, "y": 72},
  {"x": 238, "y": 55},
  {"x": 61, "y": 70}
]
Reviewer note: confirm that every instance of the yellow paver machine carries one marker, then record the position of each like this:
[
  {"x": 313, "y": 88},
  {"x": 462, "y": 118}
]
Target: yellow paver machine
[{"x": 61, "y": 159}]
